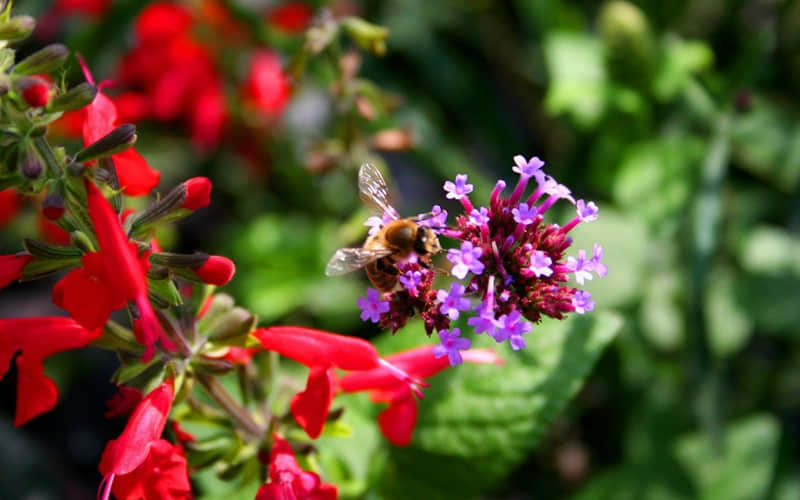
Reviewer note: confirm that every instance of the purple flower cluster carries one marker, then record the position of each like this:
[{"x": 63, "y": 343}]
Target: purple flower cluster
[{"x": 512, "y": 263}]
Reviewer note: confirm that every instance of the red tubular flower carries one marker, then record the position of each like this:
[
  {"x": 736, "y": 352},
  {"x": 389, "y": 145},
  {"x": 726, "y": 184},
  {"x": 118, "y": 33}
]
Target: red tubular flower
[
  {"x": 52, "y": 233},
  {"x": 37, "y": 338},
  {"x": 11, "y": 267},
  {"x": 99, "y": 118},
  {"x": 288, "y": 481},
  {"x": 266, "y": 87},
  {"x": 109, "y": 277},
  {"x": 398, "y": 420},
  {"x": 139, "y": 464},
  {"x": 161, "y": 21},
  {"x": 216, "y": 270},
  {"x": 322, "y": 352}
]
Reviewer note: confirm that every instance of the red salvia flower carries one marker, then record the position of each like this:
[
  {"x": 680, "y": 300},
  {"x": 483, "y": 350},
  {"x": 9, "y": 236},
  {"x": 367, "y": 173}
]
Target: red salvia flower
[
  {"x": 139, "y": 464},
  {"x": 99, "y": 118},
  {"x": 397, "y": 421},
  {"x": 37, "y": 339},
  {"x": 266, "y": 87},
  {"x": 10, "y": 204},
  {"x": 288, "y": 481},
  {"x": 321, "y": 352},
  {"x": 110, "y": 277},
  {"x": 11, "y": 267},
  {"x": 291, "y": 17}
]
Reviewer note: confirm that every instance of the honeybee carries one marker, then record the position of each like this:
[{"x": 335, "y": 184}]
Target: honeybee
[{"x": 392, "y": 243}]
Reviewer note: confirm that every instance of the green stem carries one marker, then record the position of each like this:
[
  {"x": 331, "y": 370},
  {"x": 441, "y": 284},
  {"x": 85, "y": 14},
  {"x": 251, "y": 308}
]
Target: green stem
[
  {"x": 705, "y": 228},
  {"x": 48, "y": 156},
  {"x": 238, "y": 414}
]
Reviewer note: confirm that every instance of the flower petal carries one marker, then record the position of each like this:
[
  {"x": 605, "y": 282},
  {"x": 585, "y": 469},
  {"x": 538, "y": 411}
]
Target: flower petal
[
  {"x": 310, "y": 407},
  {"x": 37, "y": 338},
  {"x": 318, "y": 348}
]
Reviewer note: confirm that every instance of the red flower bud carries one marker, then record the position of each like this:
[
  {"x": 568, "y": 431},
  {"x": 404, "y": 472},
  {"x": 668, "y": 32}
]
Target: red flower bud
[
  {"x": 35, "y": 91},
  {"x": 217, "y": 270},
  {"x": 53, "y": 206},
  {"x": 198, "y": 193}
]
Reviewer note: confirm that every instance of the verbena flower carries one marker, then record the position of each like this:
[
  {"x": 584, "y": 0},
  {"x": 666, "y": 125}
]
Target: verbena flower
[{"x": 509, "y": 259}]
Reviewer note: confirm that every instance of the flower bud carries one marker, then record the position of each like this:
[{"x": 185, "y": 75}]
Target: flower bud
[
  {"x": 198, "y": 193},
  {"x": 80, "y": 240},
  {"x": 118, "y": 140},
  {"x": 233, "y": 328},
  {"x": 630, "y": 51},
  {"x": 75, "y": 169},
  {"x": 75, "y": 98},
  {"x": 370, "y": 36},
  {"x": 17, "y": 28},
  {"x": 53, "y": 206},
  {"x": 34, "y": 90},
  {"x": 30, "y": 165},
  {"x": 43, "y": 61},
  {"x": 217, "y": 270}
]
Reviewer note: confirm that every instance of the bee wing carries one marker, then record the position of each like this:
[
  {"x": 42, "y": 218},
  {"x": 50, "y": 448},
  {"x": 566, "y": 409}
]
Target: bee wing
[
  {"x": 346, "y": 260},
  {"x": 373, "y": 191}
]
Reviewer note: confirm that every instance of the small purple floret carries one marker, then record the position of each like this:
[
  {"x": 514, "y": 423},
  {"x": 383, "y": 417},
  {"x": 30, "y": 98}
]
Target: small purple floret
[
  {"x": 581, "y": 267},
  {"x": 528, "y": 168},
  {"x": 479, "y": 216},
  {"x": 587, "y": 212},
  {"x": 511, "y": 327},
  {"x": 436, "y": 218},
  {"x": 597, "y": 256},
  {"x": 410, "y": 281},
  {"x": 540, "y": 264},
  {"x": 484, "y": 321},
  {"x": 524, "y": 214},
  {"x": 467, "y": 259},
  {"x": 451, "y": 345},
  {"x": 582, "y": 301},
  {"x": 372, "y": 306},
  {"x": 453, "y": 302},
  {"x": 458, "y": 190}
]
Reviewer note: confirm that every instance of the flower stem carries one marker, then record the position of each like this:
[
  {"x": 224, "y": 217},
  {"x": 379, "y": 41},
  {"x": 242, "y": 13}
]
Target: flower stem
[{"x": 222, "y": 397}]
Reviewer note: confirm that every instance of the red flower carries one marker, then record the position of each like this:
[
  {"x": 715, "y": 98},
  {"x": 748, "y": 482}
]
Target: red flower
[
  {"x": 162, "y": 21},
  {"x": 11, "y": 267},
  {"x": 109, "y": 277},
  {"x": 37, "y": 338},
  {"x": 52, "y": 233},
  {"x": 291, "y": 16},
  {"x": 322, "y": 352},
  {"x": 397, "y": 421},
  {"x": 9, "y": 206},
  {"x": 139, "y": 464},
  {"x": 288, "y": 481},
  {"x": 99, "y": 118},
  {"x": 266, "y": 87}
]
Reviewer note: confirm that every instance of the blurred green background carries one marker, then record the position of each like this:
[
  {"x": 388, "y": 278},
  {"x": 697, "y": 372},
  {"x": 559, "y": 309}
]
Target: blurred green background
[{"x": 679, "y": 118}]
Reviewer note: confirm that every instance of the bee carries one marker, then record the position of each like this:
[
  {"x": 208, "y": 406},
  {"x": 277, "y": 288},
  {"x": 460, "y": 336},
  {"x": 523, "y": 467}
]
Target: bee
[{"x": 394, "y": 242}]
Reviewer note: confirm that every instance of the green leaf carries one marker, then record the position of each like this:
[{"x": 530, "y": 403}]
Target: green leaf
[
  {"x": 167, "y": 290},
  {"x": 577, "y": 77},
  {"x": 742, "y": 469},
  {"x": 766, "y": 143},
  {"x": 477, "y": 422},
  {"x": 681, "y": 59}
]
